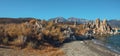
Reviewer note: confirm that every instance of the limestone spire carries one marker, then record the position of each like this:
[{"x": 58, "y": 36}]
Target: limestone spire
[
  {"x": 97, "y": 22},
  {"x": 104, "y": 22}
]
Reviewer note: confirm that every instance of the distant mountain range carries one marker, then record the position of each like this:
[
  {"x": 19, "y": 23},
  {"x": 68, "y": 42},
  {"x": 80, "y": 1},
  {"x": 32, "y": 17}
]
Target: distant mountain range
[
  {"x": 60, "y": 19},
  {"x": 112, "y": 23},
  {"x": 78, "y": 20},
  {"x": 71, "y": 19},
  {"x": 14, "y": 20}
]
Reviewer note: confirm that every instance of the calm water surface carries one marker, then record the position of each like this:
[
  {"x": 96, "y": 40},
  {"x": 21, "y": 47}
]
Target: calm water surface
[{"x": 113, "y": 42}]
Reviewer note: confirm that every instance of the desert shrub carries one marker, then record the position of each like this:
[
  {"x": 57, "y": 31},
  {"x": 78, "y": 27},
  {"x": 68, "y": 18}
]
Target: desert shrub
[
  {"x": 29, "y": 34},
  {"x": 53, "y": 31},
  {"x": 20, "y": 41},
  {"x": 79, "y": 30},
  {"x": 13, "y": 30},
  {"x": 1, "y": 30},
  {"x": 32, "y": 44},
  {"x": 5, "y": 41}
]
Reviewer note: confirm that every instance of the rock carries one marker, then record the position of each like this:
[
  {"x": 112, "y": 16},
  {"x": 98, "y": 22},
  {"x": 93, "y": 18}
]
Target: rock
[
  {"x": 116, "y": 31},
  {"x": 97, "y": 22},
  {"x": 56, "y": 20},
  {"x": 20, "y": 41},
  {"x": 99, "y": 27},
  {"x": 68, "y": 33},
  {"x": 75, "y": 23},
  {"x": 89, "y": 34}
]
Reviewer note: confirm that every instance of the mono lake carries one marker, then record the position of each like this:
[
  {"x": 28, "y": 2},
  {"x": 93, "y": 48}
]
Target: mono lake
[{"x": 112, "y": 43}]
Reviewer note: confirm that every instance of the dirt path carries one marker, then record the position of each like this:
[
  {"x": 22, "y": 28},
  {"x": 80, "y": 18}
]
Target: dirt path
[{"x": 80, "y": 48}]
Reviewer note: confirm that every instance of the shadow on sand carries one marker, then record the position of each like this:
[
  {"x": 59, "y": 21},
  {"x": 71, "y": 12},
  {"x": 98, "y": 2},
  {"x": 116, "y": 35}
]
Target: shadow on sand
[
  {"x": 56, "y": 43},
  {"x": 6, "y": 47},
  {"x": 77, "y": 38}
]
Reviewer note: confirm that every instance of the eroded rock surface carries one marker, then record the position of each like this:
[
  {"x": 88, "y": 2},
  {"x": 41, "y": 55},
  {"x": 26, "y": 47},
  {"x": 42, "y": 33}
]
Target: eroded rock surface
[{"x": 99, "y": 27}]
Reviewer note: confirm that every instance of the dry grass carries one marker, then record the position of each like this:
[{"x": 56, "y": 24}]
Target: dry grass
[
  {"x": 48, "y": 51},
  {"x": 42, "y": 39}
]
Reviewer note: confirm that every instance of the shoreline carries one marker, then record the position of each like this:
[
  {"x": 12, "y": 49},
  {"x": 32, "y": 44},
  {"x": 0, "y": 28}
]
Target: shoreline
[
  {"x": 101, "y": 48},
  {"x": 86, "y": 48},
  {"x": 105, "y": 45}
]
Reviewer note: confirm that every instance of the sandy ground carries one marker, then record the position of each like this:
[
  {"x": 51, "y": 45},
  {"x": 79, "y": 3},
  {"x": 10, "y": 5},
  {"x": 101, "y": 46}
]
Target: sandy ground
[
  {"x": 14, "y": 52},
  {"x": 74, "y": 48},
  {"x": 6, "y": 51},
  {"x": 86, "y": 48}
]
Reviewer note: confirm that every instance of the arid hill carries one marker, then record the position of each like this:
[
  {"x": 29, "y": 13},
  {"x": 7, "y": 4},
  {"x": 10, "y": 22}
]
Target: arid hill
[{"x": 14, "y": 20}]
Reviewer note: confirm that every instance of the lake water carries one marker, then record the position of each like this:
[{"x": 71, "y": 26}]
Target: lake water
[{"x": 113, "y": 42}]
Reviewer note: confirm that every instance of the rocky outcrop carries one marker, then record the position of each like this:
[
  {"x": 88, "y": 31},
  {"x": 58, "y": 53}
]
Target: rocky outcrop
[
  {"x": 104, "y": 27},
  {"x": 99, "y": 27}
]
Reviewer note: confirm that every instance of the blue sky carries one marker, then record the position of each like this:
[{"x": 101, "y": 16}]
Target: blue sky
[{"x": 45, "y": 9}]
